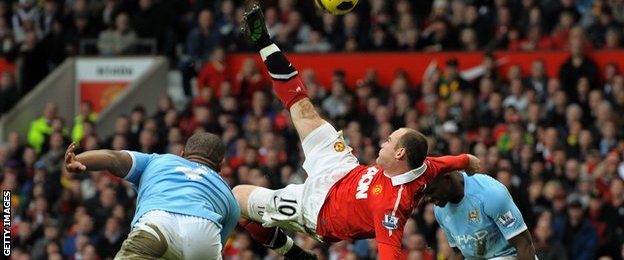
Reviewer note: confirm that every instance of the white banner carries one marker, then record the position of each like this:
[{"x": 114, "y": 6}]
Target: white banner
[{"x": 110, "y": 69}]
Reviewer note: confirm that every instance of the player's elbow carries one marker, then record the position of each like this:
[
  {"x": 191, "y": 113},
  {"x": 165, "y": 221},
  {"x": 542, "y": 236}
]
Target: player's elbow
[
  {"x": 525, "y": 249},
  {"x": 119, "y": 164},
  {"x": 524, "y": 245}
]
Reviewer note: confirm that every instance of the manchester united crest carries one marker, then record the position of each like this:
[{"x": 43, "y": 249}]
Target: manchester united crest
[
  {"x": 339, "y": 146},
  {"x": 473, "y": 216},
  {"x": 377, "y": 189}
]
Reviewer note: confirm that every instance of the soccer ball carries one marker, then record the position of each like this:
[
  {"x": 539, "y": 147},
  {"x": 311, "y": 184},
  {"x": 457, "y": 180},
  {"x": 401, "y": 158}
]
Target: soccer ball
[{"x": 336, "y": 7}]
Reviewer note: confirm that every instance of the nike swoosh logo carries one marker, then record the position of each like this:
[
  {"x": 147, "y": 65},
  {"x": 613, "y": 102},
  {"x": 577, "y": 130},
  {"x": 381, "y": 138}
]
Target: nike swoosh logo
[{"x": 297, "y": 90}]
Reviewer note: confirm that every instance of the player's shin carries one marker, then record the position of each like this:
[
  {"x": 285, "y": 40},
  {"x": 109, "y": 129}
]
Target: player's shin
[
  {"x": 274, "y": 238},
  {"x": 286, "y": 81}
]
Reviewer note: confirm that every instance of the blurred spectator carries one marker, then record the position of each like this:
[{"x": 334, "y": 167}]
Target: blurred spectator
[
  {"x": 105, "y": 17},
  {"x": 546, "y": 247},
  {"x": 119, "y": 39},
  {"x": 111, "y": 238},
  {"x": 122, "y": 129},
  {"x": 613, "y": 38},
  {"x": 32, "y": 69},
  {"x": 295, "y": 31},
  {"x": 351, "y": 30},
  {"x": 247, "y": 81},
  {"x": 25, "y": 237},
  {"x": 81, "y": 29},
  {"x": 9, "y": 92},
  {"x": 228, "y": 22},
  {"x": 314, "y": 43},
  {"x": 534, "y": 40},
  {"x": 49, "y": 14},
  {"x": 468, "y": 39},
  {"x": 331, "y": 29},
  {"x": 41, "y": 127},
  {"x": 577, "y": 232},
  {"x": 335, "y": 104},
  {"x": 25, "y": 19},
  {"x": 561, "y": 32},
  {"x": 56, "y": 43},
  {"x": 439, "y": 36},
  {"x": 53, "y": 158},
  {"x": 451, "y": 80},
  {"x": 86, "y": 113},
  {"x": 213, "y": 72},
  {"x": 577, "y": 66},
  {"x": 598, "y": 29},
  {"x": 381, "y": 38},
  {"x": 51, "y": 234},
  {"x": 200, "y": 42},
  {"x": 137, "y": 119},
  {"x": 150, "y": 22},
  {"x": 7, "y": 38},
  {"x": 273, "y": 23}
]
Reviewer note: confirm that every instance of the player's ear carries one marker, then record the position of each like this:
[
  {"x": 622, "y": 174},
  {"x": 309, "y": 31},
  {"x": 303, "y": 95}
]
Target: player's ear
[
  {"x": 399, "y": 153},
  {"x": 182, "y": 153}
]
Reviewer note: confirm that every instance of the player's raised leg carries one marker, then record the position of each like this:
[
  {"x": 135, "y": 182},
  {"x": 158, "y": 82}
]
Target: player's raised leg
[
  {"x": 286, "y": 81},
  {"x": 291, "y": 92}
]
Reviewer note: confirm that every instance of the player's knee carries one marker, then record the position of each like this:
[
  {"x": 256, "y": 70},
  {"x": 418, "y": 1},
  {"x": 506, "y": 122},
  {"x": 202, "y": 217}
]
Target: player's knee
[{"x": 241, "y": 193}]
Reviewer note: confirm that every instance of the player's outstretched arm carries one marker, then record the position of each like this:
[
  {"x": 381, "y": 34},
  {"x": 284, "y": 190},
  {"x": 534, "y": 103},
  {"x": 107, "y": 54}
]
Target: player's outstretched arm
[
  {"x": 462, "y": 162},
  {"x": 524, "y": 245},
  {"x": 116, "y": 162}
]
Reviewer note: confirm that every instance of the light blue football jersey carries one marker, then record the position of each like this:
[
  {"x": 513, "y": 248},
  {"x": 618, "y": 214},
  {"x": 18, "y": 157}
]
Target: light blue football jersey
[
  {"x": 171, "y": 183},
  {"x": 482, "y": 222}
]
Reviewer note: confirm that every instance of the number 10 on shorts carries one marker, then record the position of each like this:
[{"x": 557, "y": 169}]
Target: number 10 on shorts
[{"x": 285, "y": 207}]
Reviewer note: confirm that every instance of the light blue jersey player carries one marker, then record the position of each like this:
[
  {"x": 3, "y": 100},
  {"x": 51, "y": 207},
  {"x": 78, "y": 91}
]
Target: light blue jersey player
[
  {"x": 185, "y": 210},
  {"x": 479, "y": 217}
]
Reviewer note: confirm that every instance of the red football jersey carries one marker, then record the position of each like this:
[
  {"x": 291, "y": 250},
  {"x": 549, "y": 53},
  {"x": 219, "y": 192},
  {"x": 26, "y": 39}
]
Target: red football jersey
[{"x": 368, "y": 204}]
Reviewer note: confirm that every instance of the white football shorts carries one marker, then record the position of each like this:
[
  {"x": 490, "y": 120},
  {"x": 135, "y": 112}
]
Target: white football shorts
[
  {"x": 296, "y": 207},
  {"x": 163, "y": 235}
]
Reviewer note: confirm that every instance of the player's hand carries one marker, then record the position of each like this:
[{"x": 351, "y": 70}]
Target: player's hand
[
  {"x": 473, "y": 164},
  {"x": 71, "y": 164}
]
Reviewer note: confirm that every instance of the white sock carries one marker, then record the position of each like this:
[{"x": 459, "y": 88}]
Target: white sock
[
  {"x": 268, "y": 50},
  {"x": 286, "y": 247}
]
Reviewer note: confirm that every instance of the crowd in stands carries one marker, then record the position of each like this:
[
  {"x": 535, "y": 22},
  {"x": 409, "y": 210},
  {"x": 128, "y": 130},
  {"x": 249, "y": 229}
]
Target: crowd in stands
[
  {"x": 39, "y": 35},
  {"x": 555, "y": 142}
]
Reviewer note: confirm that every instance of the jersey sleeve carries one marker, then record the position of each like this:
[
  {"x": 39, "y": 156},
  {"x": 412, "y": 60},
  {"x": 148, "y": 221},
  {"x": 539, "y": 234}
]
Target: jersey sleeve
[
  {"x": 139, "y": 163},
  {"x": 449, "y": 236},
  {"x": 504, "y": 212},
  {"x": 449, "y": 163}
]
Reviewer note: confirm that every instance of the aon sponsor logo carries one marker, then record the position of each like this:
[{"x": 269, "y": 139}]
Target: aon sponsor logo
[{"x": 364, "y": 183}]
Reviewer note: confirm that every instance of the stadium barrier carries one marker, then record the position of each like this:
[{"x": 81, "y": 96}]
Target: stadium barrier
[
  {"x": 416, "y": 64},
  {"x": 113, "y": 85}
]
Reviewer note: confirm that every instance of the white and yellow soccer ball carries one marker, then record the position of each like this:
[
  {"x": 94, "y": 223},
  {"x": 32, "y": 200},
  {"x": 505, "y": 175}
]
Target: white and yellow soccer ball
[{"x": 336, "y": 7}]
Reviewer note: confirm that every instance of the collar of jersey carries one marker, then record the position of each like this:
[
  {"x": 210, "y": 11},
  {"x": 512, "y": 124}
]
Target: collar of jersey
[{"x": 408, "y": 176}]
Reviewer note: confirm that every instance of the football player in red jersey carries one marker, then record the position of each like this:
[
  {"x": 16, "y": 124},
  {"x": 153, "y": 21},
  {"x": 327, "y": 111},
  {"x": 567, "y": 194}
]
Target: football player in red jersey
[{"x": 341, "y": 199}]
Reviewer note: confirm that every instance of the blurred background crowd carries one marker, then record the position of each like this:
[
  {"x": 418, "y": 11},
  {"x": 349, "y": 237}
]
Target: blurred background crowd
[{"x": 555, "y": 142}]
